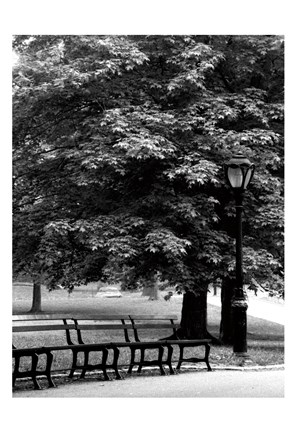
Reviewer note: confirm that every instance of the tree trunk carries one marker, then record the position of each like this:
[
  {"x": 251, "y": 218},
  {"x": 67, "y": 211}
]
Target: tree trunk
[
  {"x": 146, "y": 291},
  {"x": 151, "y": 289},
  {"x": 154, "y": 295},
  {"x": 226, "y": 324},
  {"x": 36, "y": 302},
  {"x": 194, "y": 315}
]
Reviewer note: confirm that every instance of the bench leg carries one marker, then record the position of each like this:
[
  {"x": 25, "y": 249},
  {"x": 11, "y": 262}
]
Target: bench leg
[
  {"x": 74, "y": 363},
  {"x": 142, "y": 357},
  {"x": 207, "y": 348},
  {"x": 104, "y": 364},
  {"x": 160, "y": 358},
  {"x": 85, "y": 365},
  {"x": 48, "y": 369},
  {"x": 132, "y": 362},
  {"x": 180, "y": 357},
  {"x": 169, "y": 360},
  {"x": 16, "y": 369},
  {"x": 116, "y": 353},
  {"x": 33, "y": 371}
]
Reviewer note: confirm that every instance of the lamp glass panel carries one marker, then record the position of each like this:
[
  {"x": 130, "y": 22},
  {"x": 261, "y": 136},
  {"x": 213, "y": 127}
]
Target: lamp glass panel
[
  {"x": 235, "y": 177},
  {"x": 247, "y": 178}
]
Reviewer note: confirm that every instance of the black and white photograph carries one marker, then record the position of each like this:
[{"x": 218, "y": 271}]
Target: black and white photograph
[{"x": 148, "y": 216}]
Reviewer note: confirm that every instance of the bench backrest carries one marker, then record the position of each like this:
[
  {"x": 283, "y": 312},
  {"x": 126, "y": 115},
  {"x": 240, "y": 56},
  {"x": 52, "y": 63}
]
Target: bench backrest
[
  {"x": 99, "y": 323},
  {"x": 153, "y": 322},
  {"x": 43, "y": 322},
  {"x": 73, "y": 326},
  {"x": 130, "y": 324}
]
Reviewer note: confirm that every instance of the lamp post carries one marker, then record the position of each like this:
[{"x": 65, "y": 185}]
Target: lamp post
[{"x": 239, "y": 172}]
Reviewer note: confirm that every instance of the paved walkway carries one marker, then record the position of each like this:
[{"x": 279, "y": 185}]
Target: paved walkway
[
  {"x": 234, "y": 384},
  {"x": 258, "y": 307}
]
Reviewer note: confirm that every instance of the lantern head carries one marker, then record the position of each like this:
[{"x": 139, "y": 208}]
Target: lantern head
[{"x": 239, "y": 172}]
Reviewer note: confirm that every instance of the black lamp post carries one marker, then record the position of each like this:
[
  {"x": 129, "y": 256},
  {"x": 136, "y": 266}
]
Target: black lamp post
[{"x": 239, "y": 172}]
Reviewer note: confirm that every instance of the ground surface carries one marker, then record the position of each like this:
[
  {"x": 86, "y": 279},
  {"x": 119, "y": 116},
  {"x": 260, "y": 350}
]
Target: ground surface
[{"x": 266, "y": 384}]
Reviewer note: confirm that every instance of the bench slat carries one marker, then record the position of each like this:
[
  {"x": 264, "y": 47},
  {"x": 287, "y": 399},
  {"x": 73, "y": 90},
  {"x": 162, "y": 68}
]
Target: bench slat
[
  {"x": 153, "y": 317},
  {"x": 48, "y": 317},
  {"x": 101, "y": 317},
  {"x": 41, "y": 317},
  {"x": 156, "y": 326},
  {"x": 189, "y": 341},
  {"x": 103, "y": 326},
  {"x": 32, "y": 328}
]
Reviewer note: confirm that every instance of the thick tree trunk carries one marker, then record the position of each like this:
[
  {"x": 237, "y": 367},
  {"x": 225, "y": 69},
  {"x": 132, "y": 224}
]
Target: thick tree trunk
[
  {"x": 36, "y": 302},
  {"x": 193, "y": 323},
  {"x": 226, "y": 324},
  {"x": 194, "y": 315}
]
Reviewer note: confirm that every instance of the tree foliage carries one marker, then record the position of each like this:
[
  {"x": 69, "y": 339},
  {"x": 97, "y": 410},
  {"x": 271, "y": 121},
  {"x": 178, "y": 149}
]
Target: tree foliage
[{"x": 118, "y": 146}]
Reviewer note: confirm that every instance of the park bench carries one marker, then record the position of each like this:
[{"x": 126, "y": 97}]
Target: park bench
[
  {"x": 33, "y": 373},
  {"x": 127, "y": 335},
  {"x": 32, "y": 324},
  {"x": 141, "y": 323},
  {"x": 73, "y": 328}
]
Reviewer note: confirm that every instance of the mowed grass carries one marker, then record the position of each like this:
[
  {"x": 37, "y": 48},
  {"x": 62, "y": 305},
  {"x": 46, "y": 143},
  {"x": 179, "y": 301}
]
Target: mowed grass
[{"x": 265, "y": 339}]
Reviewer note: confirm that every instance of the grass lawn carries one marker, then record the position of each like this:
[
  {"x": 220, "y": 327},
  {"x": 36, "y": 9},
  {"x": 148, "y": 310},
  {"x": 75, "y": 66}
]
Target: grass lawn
[{"x": 265, "y": 338}]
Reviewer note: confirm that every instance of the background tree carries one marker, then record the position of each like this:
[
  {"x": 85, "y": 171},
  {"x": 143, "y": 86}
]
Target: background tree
[{"x": 119, "y": 143}]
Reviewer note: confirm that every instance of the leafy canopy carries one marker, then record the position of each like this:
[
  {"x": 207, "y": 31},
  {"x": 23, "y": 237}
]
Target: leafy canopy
[{"x": 119, "y": 143}]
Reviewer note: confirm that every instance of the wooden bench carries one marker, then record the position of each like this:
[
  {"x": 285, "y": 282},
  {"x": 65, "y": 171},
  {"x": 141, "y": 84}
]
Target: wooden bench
[
  {"x": 129, "y": 334},
  {"x": 169, "y": 322},
  {"x": 33, "y": 373},
  {"x": 152, "y": 325},
  {"x": 83, "y": 325},
  {"x": 73, "y": 328},
  {"x": 37, "y": 323}
]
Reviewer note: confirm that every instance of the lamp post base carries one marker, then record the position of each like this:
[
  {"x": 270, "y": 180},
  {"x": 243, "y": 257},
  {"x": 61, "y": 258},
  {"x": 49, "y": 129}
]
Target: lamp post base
[
  {"x": 239, "y": 311},
  {"x": 241, "y": 359}
]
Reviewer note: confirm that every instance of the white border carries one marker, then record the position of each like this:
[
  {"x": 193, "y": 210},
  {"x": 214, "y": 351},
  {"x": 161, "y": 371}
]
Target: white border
[{"x": 153, "y": 17}]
